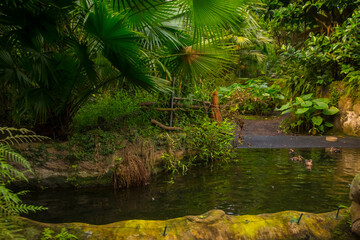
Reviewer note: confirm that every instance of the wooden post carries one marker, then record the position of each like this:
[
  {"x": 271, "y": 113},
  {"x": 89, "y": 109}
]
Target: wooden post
[
  {"x": 172, "y": 102},
  {"x": 215, "y": 107}
]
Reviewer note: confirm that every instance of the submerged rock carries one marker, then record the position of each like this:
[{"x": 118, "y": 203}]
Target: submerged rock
[
  {"x": 214, "y": 224},
  {"x": 355, "y": 205}
]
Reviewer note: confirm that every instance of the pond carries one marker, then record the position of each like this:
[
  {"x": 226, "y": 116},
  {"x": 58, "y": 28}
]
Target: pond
[{"x": 257, "y": 181}]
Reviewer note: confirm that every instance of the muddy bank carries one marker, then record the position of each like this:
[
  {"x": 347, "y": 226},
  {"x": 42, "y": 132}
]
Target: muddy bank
[
  {"x": 214, "y": 224},
  {"x": 130, "y": 165}
]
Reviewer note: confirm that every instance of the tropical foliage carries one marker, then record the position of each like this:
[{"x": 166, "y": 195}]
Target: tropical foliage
[
  {"x": 254, "y": 97},
  {"x": 65, "y": 51},
  {"x": 308, "y": 114},
  {"x": 10, "y": 203}
]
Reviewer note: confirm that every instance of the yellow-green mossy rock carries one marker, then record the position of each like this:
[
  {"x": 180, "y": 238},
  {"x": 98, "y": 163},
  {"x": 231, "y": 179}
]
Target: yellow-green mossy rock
[{"x": 214, "y": 224}]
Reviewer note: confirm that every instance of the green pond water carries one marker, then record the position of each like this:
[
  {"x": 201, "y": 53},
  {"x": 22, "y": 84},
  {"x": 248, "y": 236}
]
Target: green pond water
[{"x": 256, "y": 181}]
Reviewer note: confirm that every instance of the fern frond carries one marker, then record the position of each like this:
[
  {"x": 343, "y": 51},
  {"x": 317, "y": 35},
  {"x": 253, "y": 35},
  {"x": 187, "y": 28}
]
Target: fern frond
[
  {"x": 9, "y": 173},
  {"x": 10, "y": 203},
  {"x": 17, "y": 139},
  {"x": 7, "y": 209},
  {"x": 14, "y": 137},
  {"x": 24, "y": 208},
  {"x": 9, "y": 154},
  {"x": 11, "y": 130},
  {"x": 6, "y": 195}
]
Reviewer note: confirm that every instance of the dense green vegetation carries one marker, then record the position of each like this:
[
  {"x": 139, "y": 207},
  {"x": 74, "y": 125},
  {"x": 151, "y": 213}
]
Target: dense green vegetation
[
  {"x": 94, "y": 73},
  {"x": 66, "y": 55}
]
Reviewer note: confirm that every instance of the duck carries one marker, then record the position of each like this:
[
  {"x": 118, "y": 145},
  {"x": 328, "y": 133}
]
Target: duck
[
  {"x": 298, "y": 158},
  {"x": 292, "y": 151},
  {"x": 308, "y": 162},
  {"x": 335, "y": 150}
]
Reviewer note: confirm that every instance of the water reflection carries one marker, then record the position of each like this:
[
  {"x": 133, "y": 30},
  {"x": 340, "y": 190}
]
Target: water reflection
[{"x": 258, "y": 181}]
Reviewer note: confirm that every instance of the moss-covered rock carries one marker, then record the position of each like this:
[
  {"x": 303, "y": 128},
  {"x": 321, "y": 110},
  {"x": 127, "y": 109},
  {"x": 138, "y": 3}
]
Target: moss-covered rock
[{"x": 214, "y": 224}]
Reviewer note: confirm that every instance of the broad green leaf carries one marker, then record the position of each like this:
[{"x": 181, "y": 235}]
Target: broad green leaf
[
  {"x": 324, "y": 100},
  {"x": 328, "y": 124},
  {"x": 283, "y": 107},
  {"x": 317, "y": 120},
  {"x": 300, "y": 100},
  {"x": 306, "y": 104},
  {"x": 301, "y": 110},
  {"x": 321, "y": 105},
  {"x": 287, "y": 111},
  {"x": 307, "y": 96},
  {"x": 331, "y": 111}
]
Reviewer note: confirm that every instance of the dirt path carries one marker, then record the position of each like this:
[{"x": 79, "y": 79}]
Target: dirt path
[{"x": 262, "y": 127}]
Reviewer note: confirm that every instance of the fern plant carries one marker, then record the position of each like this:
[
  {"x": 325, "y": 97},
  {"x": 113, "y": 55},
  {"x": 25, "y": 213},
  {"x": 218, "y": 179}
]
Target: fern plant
[{"x": 10, "y": 202}]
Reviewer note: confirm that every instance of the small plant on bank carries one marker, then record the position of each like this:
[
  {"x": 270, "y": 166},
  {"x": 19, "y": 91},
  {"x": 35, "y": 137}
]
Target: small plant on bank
[
  {"x": 47, "y": 234},
  {"x": 308, "y": 114},
  {"x": 209, "y": 141},
  {"x": 204, "y": 142}
]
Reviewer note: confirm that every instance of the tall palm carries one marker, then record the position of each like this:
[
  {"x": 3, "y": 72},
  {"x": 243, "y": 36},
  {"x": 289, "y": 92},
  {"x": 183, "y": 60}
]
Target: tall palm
[{"x": 49, "y": 54}]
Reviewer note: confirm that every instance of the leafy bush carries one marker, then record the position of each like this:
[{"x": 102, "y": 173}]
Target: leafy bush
[
  {"x": 208, "y": 141},
  {"x": 204, "y": 141},
  {"x": 309, "y": 67},
  {"x": 254, "y": 97},
  {"x": 347, "y": 51},
  {"x": 324, "y": 59},
  {"x": 308, "y": 114}
]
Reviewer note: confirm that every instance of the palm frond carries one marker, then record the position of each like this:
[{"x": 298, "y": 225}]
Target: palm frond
[
  {"x": 135, "y": 4},
  {"x": 242, "y": 41},
  {"x": 191, "y": 64},
  {"x": 120, "y": 46},
  {"x": 257, "y": 55},
  {"x": 209, "y": 19}
]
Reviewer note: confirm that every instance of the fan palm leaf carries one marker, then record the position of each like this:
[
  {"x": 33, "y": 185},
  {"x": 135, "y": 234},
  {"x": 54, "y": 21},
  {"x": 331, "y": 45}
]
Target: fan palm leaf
[{"x": 119, "y": 45}]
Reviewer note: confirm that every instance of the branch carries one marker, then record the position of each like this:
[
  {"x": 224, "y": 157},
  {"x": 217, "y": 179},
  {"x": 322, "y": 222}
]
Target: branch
[{"x": 164, "y": 126}]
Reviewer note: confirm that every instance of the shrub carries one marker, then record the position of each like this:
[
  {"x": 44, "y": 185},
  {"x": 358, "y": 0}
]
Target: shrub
[
  {"x": 254, "y": 97},
  {"x": 308, "y": 114},
  {"x": 209, "y": 141}
]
